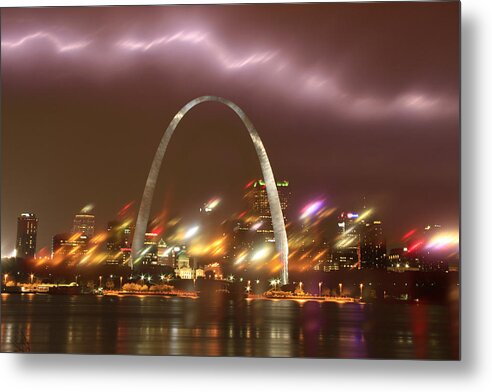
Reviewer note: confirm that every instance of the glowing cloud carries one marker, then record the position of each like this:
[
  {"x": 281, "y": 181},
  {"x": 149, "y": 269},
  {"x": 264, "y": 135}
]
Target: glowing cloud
[{"x": 57, "y": 43}]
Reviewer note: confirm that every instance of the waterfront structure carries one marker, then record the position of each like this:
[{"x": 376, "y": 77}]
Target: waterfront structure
[
  {"x": 84, "y": 223},
  {"x": 259, "y": 207},
  {"x": 27, "y": 230},
  {"x": 278, "y": 223}
]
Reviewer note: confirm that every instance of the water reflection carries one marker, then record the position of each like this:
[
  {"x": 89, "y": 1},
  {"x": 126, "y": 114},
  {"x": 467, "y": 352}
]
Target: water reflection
[{"x": 184, "y": 326}]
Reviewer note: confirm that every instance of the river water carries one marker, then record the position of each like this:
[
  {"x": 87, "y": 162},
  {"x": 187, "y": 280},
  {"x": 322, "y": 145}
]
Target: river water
[{"x": 221, "y": 327}]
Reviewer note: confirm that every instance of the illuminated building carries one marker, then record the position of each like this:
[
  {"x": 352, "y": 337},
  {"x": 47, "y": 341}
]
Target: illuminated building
[
  {"x": 69, "y": 248},
  {"x": 118, "y": 242},
  {"x": 150, "y": 255},
  {"x": 372, "y": 244},
  {"x": 183, "y": 268},
  {"x": 400, "y": 260},
  {"x": 213, "y": 271},
  {"x": 347, "y": 248},
  {"x": 164, "y": 256},
  {"x": 259, "y": 208},
  {"x": 27, "y": 230},
  {"x": 113, "y": 242},
  {"x": 84, "y": 224}
]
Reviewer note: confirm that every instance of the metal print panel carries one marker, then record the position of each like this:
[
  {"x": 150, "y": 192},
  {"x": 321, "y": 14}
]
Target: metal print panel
[{"x": 275, "y": 180}]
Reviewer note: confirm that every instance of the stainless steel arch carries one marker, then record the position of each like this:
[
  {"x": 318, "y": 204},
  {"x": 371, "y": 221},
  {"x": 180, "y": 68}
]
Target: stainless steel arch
[{"x": 271, "y": 187}]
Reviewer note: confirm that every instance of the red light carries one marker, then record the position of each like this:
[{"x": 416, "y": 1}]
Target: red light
[
  {"x": 415, "y": 246},
  {"x": 409, "y": 234},
  {"x": 249, "y": 184}
]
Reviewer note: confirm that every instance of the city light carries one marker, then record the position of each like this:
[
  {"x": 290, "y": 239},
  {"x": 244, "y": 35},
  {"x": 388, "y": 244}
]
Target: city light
[
  {"x": 191, "y": 232},
  {"x": 256, "y": 226},
  {"x": 211, "y": 204},
  {"x": 441, "y": 241},
  {"x": 87, "y": 208},
  {"x": 261, "y": 254},
  {"x": 241, "y": 258},
  {"x": 311, "y": 209}
]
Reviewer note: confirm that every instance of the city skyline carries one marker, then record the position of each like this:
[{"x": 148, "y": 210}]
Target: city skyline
[
  {"x": 317, "y": 216},
  {"x": 349, "y": 131}
]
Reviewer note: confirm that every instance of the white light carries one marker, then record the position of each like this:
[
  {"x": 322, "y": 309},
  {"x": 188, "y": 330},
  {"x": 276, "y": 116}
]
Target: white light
[
  {"x": 256, "y": 226},
  {"x": 191, "y": 232},
  {"x": 260, "y": 254},
  {"x": 240, "y": 259}
]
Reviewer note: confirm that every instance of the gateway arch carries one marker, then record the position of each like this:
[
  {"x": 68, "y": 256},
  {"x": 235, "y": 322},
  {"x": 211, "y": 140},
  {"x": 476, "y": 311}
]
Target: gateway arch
[{"x": 271, "y": 187}]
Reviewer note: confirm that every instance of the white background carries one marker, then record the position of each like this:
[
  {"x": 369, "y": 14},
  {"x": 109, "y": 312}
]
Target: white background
[{"x": 36, "y": 372}]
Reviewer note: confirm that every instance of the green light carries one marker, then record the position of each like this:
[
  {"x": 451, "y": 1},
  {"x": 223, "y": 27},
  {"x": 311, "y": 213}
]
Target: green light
[{"x": 279, "y": 183}]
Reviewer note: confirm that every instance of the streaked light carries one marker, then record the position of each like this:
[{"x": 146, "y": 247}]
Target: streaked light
[
  {"x": 261, "y": 254},
  {"x": 311, "y": 209},
  {"x": 191, "y": 232}
]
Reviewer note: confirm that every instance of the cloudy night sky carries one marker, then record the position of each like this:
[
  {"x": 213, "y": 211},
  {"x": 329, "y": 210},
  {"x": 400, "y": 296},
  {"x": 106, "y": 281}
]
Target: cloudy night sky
[{"x": 351, "y": 101}]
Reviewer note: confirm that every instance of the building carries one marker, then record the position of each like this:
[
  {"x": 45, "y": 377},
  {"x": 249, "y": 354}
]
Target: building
[
  {"x": 118, "y": 242},
  {"x": 372, "y": 245},
  {"x": 164, "y": 254},
  {"x": 150, "y": 256},
  {"x": 69, "y": 249},
  {"x": 259, "y": 209},
  {"x": 184, "y": 270},
  {"x": 114, "y": 243},
  {"x": 84, "y": 224},
  {"x": 240, "y": 238},
  {"x": 346, "y": 254},
  {"x": 27, "y": 230},
  {"x": 401, "y": 260}
]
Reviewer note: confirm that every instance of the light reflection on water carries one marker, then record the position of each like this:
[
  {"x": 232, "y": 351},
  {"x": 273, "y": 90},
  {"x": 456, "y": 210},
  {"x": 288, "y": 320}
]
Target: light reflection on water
[{"x": 185, "y": 326}]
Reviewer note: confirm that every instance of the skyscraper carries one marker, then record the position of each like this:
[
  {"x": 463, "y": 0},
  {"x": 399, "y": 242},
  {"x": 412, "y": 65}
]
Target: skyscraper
[
  {"x": 259, "y": 208},
  {"x": 347, "y": 248},
  {"x": 27, "y": 230},
  {"x": 150, "y": 256},
  {"x": 118, "y": 242},
  {"x": 69, "y": 249},
  {"x": 84, "y": 223},
  {"x": 372, "y": 245}
]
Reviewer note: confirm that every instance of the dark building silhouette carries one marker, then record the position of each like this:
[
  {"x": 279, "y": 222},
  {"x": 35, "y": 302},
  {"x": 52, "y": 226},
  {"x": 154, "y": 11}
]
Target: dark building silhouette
[
  {"x": 27, "y": 230},
  {"x": 372, "y": 244}
]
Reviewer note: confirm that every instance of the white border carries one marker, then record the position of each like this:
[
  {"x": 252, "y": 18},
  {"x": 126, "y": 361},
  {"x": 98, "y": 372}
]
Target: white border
[{"x": 473, "y": 373}]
